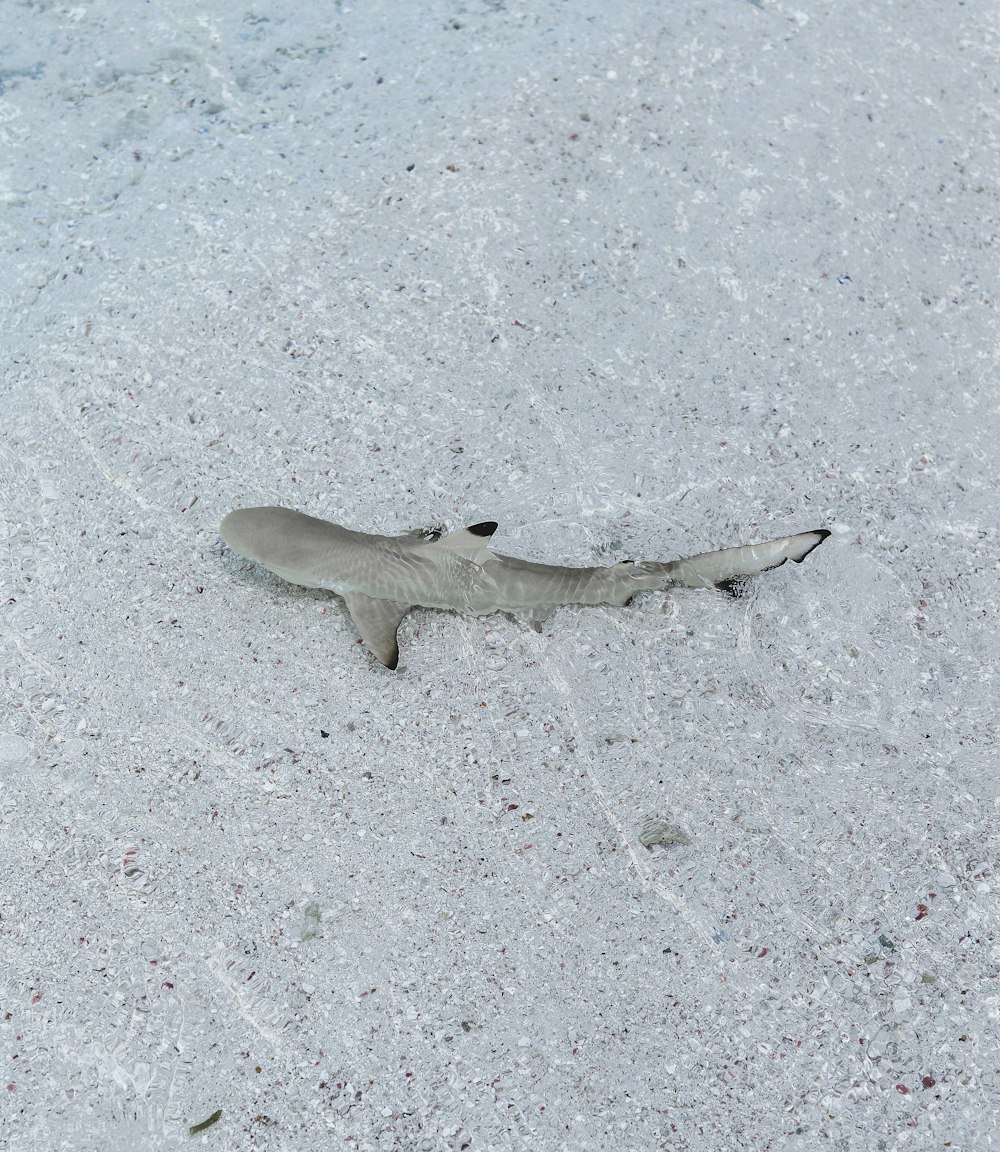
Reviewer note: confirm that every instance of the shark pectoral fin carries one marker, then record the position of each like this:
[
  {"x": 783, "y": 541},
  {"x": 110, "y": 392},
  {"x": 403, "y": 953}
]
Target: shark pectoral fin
[
  {"x": 377, "y": 621},
  {"x": 472, "y": 543},
  {"x": 728, "y": 568}
]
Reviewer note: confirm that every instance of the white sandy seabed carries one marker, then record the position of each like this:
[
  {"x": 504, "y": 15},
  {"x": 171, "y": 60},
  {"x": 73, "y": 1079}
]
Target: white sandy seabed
[{"x": 635, "y": 280}]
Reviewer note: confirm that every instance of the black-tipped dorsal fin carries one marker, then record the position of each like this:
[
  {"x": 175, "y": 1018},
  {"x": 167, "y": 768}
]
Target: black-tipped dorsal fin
[{"x": 472, "y": 543}]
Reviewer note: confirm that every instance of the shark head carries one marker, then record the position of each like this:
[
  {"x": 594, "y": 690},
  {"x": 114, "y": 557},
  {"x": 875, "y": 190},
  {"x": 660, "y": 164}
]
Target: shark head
[{"x": 292, "y": 545}]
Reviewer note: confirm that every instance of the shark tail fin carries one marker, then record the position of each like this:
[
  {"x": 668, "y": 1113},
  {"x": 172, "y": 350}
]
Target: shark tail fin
[{"x": 729, "y": 568}]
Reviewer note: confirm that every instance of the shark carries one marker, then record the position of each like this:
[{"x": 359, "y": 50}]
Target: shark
[{"x": 382, "y": 577}]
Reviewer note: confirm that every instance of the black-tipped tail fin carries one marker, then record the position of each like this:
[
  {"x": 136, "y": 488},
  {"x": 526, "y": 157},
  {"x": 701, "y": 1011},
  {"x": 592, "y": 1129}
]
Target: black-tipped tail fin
[{"x": 729, "y": 568}]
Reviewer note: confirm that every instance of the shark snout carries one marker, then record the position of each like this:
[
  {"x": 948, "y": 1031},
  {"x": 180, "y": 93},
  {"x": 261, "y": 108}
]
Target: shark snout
[
  {"x": 265, "y": 534},
  {"x": 237, "y": 530}
]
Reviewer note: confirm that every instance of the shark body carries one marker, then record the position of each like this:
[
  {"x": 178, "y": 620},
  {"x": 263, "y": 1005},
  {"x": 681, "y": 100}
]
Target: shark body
[{"x": 382, "y": 577}]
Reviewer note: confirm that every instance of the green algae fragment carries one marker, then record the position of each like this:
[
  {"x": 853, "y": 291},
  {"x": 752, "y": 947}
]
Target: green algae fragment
[{"x": 213, "y": 1119}]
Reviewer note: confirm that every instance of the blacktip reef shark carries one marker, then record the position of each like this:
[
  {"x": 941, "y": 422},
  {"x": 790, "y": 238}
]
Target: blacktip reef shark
[{"x": 382, "y": 577}]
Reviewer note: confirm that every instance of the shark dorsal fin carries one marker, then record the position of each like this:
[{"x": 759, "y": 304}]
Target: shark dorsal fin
[
  {"x": 377, "y": 621},
  {"x": 472, "y": 543}
]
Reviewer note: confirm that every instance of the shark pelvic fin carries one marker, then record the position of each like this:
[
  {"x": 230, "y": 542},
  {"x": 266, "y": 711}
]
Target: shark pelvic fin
[
  {"x": 534, "y": 617},
  {"x": 472, "y": 543},
  {"x": 377, "y": 621}
]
